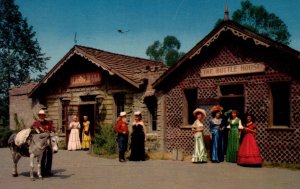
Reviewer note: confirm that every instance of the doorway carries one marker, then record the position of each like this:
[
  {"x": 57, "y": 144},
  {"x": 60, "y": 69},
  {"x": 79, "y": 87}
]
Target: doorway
[
  {"x": 234, "y": 103},
  {"x": 232, "y": 97},
  {"x": 87, "y": 110}
]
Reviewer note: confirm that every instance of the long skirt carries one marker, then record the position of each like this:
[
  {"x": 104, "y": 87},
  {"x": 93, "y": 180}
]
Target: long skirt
[
  {"x": 200, "y": 154},
  {"x": 74, "y": 140},
  {"x": 86, "y": 140},
  {"x": 217, "y": 150},
  {"x": 232, "y": 145},
  {"x": 137, "y": 147},
  {"x": 249, "y": 152}
]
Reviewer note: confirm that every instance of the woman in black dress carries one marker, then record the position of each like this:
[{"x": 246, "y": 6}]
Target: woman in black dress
[{"x": 138, "y": 136}]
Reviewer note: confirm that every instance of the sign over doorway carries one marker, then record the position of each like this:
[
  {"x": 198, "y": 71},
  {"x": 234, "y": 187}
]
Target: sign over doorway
[{"x": 85, "y": 79}]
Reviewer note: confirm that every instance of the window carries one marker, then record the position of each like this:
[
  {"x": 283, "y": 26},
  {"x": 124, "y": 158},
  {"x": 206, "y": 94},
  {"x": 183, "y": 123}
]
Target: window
[
  {"x": 232, "y": 97},
  {"x": 190, "y": 104},
  {"x": 230, "y": 90},
  {"x": 151, "y": 103},
  {"x": 119, "y": 103},
  {"x": 88, "y": 98},
  {"x": 280, "y": 104}
]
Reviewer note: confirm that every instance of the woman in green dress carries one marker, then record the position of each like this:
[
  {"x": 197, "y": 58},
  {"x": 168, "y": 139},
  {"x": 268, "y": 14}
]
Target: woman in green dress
[
  {"x": 235, "y": 125},
  {"x": 200, "y": 155}
]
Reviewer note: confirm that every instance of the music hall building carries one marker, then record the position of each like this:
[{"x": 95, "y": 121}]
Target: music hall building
[
  {"x": 241, "y": 70},
  {"x": 94, "y": 83}
]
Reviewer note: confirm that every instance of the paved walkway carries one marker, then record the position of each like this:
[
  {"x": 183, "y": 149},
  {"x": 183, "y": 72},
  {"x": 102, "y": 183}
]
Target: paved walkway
[{"x": 79, "y": 170}]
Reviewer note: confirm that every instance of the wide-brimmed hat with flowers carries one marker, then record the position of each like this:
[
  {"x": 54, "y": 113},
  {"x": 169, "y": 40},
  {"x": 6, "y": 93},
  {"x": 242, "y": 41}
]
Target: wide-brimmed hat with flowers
[
  {"x": 216, "y": 108},
  {"x": 199, "y": 110}
]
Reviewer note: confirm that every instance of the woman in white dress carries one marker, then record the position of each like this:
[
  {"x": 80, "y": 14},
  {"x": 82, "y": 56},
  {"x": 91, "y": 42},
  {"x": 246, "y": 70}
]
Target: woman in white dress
[
  {"x": 74, "y": 140},
  {"x": 200, "y": 155}
]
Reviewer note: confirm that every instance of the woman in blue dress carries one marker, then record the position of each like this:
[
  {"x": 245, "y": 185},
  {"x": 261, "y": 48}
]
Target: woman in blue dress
[{"x": 216, "y": 128}]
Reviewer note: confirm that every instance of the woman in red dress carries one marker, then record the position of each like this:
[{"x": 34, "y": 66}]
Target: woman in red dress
[{"x": 248, "y": 153}]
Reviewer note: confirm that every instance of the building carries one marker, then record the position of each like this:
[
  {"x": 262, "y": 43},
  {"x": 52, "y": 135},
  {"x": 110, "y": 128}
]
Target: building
[
  {"x": 237, "y": 69},
  {"x": 232, "y": 66},
  {"x": 92, "y": 82}
]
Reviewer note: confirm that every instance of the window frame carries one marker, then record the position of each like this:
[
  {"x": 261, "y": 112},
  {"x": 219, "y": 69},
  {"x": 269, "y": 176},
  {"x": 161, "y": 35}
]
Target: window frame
[
  {"x": 116, "y": 101},
  {"x": 185, "y": 110},
  {"x": 271, "y": 108},
  {"x": 151, "y": 103}
]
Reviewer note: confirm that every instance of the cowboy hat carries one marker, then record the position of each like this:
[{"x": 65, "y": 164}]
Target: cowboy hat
[
  {"x": 42, "y": 112},
  {"x": 199, "y": 110},
  {"x": 122, "y": 114}
]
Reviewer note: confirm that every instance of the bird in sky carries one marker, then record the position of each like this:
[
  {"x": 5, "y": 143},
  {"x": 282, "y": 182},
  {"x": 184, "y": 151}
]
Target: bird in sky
[{"x": 122, "y": 32}]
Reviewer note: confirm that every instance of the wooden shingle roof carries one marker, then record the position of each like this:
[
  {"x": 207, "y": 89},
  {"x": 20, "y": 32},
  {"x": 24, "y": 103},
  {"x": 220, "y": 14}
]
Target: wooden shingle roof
[
  {"x": 126, "y": 67},
  {"x": 22, "y": 89}
]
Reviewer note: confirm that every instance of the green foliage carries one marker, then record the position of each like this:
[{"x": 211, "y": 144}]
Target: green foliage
[
  {"x": 105, "y": 141},
  {"x": 4, "y": 136},
  {"x": 259, "y": 20},
  {"x": 20, "y": 53},
  {"x": 166, "y": 52}
]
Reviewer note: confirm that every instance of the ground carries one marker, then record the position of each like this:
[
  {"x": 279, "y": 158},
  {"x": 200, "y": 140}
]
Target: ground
[{"x": 80, "y": 170}]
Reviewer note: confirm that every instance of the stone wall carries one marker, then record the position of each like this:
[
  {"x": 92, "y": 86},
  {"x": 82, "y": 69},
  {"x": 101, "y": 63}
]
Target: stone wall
[{"x": 22, "y": 111}]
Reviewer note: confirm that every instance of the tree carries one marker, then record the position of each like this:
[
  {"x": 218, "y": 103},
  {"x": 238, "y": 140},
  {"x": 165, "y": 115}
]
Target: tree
[
  {"x": 259, "y": 20},
  {"x": 20, "y": 53},
  {"x": 166, "y": 52}
]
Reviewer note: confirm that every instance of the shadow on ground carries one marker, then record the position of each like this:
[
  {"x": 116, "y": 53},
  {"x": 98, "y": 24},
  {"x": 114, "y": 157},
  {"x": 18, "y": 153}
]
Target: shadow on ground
[{"x": 57, "y": 173}]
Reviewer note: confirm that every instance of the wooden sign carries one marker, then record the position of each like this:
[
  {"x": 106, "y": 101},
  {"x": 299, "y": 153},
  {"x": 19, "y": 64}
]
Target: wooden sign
[
  {"x": 233, "y": 70},
  {"x": 85, "y": 79}
]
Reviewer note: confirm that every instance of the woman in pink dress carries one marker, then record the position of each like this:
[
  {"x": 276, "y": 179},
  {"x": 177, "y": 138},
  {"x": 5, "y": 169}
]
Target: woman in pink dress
[
  {"x": 248, "y": 154},
  {"x": 74, "y": 140}
]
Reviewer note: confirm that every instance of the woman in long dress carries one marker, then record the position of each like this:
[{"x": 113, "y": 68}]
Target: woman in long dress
[
  {"x": 235, "y": 124},
  {"x": 249, "y": 152},
  {"x": 74, "y": 140},
  {"x": 86, "y": 135},
  {"x": 200, "y": 155},
  {"x": 138, "y": 137},
  {"x": 216, "y": 128}
]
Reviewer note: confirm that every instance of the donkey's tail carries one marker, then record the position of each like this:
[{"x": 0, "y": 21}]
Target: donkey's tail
[{"x": 11, "y": 140}]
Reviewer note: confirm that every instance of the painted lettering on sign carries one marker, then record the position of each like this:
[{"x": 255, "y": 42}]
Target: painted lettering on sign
[
  {"x": 85, "y": 79},
  {"x": 232, "y": 70}
]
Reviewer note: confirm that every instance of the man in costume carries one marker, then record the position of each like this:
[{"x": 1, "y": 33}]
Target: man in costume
[
  {"x": 42, "y": 126},
  {"x": 121, "y": 129}
]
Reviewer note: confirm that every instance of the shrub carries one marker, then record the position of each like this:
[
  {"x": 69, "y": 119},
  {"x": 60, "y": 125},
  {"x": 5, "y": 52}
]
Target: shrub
[
  {"x": 4, "y": 136},
  {"x": 105, "y": 141}
]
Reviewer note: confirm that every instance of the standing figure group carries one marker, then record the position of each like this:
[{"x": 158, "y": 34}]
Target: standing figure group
[
  {"x": 74, "y": 140},
  {"x": 246, "y": 153},
  {"x": 138, "y": 137}
]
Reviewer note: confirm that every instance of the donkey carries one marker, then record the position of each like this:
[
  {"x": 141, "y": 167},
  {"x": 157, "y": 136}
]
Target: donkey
[{"x": 34, "y": 148}]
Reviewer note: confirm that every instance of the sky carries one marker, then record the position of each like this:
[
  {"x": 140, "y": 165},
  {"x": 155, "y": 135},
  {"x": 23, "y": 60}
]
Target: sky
[{"x": 97, "y": 22}]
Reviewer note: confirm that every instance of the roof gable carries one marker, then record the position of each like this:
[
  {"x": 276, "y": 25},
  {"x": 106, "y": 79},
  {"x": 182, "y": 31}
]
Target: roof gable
[
  {"x": 238, "y": 31},
  {"x": 126, "y": 67}
]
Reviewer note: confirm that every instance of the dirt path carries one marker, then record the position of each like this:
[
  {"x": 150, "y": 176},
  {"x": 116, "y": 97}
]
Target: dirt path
[{"x": 79, "y": 170}]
